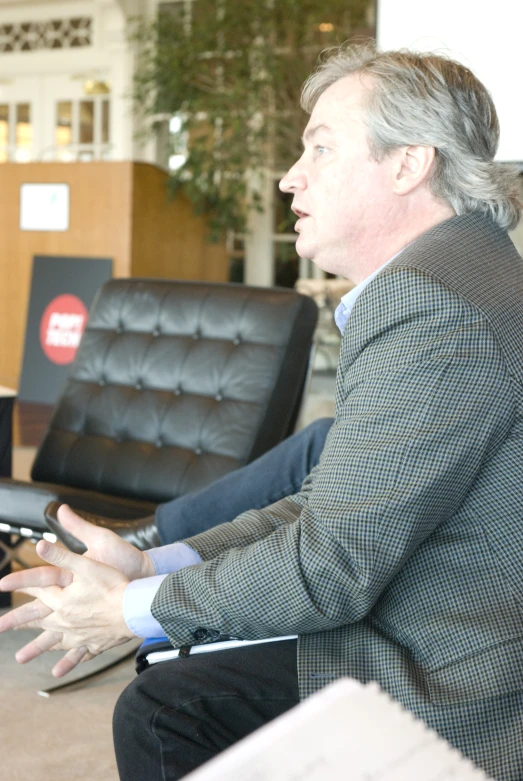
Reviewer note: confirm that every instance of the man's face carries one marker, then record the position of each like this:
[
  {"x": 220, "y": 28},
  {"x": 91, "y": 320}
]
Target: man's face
[{"x": 342, "y": 197}]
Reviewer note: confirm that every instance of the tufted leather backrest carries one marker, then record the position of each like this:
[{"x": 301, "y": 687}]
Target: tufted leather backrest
[{"x": 175, "y": 384}]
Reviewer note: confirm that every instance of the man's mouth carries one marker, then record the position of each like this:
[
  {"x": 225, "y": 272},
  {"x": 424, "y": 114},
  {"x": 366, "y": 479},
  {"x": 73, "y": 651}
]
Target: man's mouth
[
  {"x": 301, "y": 216},
  {"x": 299, "y": 212}
]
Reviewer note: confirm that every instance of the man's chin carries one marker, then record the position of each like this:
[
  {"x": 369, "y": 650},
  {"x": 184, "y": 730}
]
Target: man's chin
[
  {"x": 305, "y": 250},
  {"x": 311, "y": 254}
]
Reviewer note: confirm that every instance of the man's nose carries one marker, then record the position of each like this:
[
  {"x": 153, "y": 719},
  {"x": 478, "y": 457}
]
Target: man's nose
[{"x": 294, "y": 179}]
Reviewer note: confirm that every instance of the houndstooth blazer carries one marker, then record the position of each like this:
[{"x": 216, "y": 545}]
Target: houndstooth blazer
[{"x": 401, "y": 559}]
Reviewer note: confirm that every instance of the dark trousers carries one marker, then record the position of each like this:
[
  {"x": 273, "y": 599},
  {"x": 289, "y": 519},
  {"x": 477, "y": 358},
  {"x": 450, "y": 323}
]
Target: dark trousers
[{"x": 177, "y": 715}]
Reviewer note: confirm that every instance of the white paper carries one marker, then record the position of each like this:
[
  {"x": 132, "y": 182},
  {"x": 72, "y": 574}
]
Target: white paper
[
  {"x": 173, "y": 653},
  {"x": 347, "y": 731}
]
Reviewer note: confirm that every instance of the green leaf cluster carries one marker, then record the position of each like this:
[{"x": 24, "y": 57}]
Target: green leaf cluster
[{"x": 232, "y": 70}]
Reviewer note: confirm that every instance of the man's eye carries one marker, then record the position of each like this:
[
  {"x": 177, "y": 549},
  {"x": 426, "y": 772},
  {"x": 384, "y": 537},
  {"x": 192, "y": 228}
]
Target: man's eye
[{"x": 320, "y": 150}]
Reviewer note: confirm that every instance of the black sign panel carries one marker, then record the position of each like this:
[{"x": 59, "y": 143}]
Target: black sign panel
[{"x": 62, "y": 290}]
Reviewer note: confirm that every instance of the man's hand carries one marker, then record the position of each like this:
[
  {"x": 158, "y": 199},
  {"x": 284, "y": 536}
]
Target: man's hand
[
  {"x": 107, "y": 547},
  {"x": 78, "y": 605}
]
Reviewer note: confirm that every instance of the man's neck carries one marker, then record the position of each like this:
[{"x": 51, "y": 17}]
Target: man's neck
[{"x": 389, "y": 239}]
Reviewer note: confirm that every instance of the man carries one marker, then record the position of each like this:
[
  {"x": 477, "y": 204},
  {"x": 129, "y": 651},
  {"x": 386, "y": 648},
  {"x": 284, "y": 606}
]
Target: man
[{"x": 400, "y": 559}]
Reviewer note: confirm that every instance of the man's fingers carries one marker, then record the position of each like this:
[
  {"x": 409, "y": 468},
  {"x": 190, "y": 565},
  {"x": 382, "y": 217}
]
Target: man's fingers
[
  {"x": 61, "y": 557},
  {"x": 69, "y": 661},
  {"x": 24, "y": 615},
  {"x": 44, "y": 642},
  {"x": 36, "y": 577},
  {"x": 36, "y": 592}
]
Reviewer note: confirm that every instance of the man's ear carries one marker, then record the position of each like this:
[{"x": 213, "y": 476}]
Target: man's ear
[{"x": 412, "y": 169}]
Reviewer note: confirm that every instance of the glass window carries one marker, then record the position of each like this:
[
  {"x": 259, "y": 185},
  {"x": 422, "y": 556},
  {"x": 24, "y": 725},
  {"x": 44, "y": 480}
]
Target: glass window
[
  {"x": 86, "y": 135},
  {"x": 284, "y": 218},
  {"x": 92, "y": 87},
  {"x": 286, "y": 264},
  {"x": 106, "y": 128},
  {"x": 4, "y": 132},
  {"x": 64, "y": 123},
  {"x": 236, "y": 252},
  {"x": 24, "y": 133}
]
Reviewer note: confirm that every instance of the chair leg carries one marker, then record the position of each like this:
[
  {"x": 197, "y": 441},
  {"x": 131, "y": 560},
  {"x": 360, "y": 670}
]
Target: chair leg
[
  {"x": 5, "y": 566},
  {"x": 109, "y": 660},
  {"x": 8, "y": 548}
]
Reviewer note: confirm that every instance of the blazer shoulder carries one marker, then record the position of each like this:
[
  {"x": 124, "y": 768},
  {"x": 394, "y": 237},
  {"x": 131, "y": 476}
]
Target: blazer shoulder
[{"x": 470, "y": 256}]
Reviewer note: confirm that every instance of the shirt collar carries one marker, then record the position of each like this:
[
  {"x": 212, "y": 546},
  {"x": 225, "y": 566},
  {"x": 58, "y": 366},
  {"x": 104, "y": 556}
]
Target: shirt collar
[{"x": 346, "y": 305}]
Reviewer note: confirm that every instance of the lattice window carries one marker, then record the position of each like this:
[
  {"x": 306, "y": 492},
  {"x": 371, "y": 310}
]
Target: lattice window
[{"x": 51, "y": 34}]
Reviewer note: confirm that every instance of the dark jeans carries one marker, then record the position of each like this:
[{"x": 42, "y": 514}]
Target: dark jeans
[
  {"x": 276, "y": 474},
  {"x": 177, "y": 715}
]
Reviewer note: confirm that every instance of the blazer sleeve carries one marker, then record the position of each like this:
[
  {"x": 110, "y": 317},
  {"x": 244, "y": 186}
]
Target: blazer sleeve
[{"x": 423, "y": 399}]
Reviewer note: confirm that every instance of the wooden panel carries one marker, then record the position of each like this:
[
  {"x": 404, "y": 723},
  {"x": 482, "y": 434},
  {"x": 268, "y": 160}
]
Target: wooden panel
[
  {"x": 118, "y": 210},
  {"x": 100, "y": 212},
  {"x": 168, "y": 240},
  {"x": 30, "y": 423}
]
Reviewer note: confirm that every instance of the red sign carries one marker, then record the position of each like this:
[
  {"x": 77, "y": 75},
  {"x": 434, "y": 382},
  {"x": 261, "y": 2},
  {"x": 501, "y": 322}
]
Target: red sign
[{"x": 61, "y": 328}]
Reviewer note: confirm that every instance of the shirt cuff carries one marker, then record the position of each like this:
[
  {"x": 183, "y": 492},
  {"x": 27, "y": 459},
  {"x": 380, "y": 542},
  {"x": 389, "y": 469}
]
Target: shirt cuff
[
  {"x": 137, "y": 600},
  {"x": 171, "y": 558}
]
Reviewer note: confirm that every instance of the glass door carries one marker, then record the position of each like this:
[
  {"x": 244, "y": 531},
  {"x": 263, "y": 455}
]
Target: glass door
[
  {"x": 18, "y": 102},
  {"x": 82, "y": 128},
  {"x": 51, "y": 117}
]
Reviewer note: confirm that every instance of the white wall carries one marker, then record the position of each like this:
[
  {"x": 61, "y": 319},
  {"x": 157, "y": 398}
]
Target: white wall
[{"x": 485, "y": 37}]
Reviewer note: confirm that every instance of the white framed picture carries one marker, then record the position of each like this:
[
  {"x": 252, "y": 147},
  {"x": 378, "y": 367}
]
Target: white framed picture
[{"x": 44, "y": 207}]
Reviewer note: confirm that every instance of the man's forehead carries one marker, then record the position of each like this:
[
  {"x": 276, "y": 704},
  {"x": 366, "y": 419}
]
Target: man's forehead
[
  {"x": 340, "y": 103},
  {"x": 312, "y": 129}
]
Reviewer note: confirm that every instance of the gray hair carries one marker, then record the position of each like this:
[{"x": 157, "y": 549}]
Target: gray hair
[{"x": 430, "y": 100}]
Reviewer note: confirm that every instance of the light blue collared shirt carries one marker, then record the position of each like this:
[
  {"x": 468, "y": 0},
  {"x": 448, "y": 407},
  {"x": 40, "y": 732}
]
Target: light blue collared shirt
[
  {"x": 139, "y": 594},
  {"x": 346, "y": 305}
]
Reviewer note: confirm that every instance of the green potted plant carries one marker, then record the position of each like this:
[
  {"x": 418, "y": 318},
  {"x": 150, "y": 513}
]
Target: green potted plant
[{"x": 229, "y": 72}]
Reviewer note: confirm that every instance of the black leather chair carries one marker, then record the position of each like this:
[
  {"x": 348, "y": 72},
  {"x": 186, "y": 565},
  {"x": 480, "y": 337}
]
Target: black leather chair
[{"x": 175, "y": 384}]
